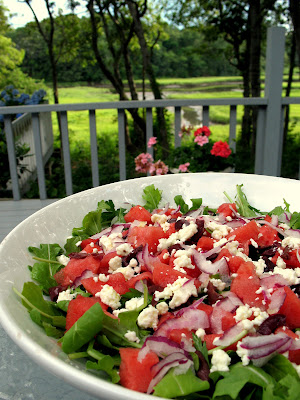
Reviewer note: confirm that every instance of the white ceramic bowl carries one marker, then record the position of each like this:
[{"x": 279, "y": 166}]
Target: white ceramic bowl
[{"x": 55, "y": 222}]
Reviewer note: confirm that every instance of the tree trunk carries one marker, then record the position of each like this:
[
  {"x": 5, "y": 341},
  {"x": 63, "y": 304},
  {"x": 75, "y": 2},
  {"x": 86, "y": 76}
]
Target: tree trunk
[
  {"x": 295, "y": 15},
  {"x": 163, "y": 136},
  {"x": 116, "y": 81}
]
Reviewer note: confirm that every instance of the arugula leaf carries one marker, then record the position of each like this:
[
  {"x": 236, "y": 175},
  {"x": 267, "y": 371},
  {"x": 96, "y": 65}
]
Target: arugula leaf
[
  {"x": 295, "y": 220},
  {"x": 242, "y": 204},
  {"x": 84, "y": 329},
  {"x": 70, "y": 245},
  {"x": 107, "y": 365},
  {"x": 152, "y": 197},
  {"x": 40, "y": 310},
  {"x": 279, "y": 367},
  {"x": 97, "y": 220},
  {"x": 180, "y": 202},
  {"x": 173, "y": 385},
  {"x": 238, "y": 376},
  {"x": 47, "y": 265},
  {"x": 201, "y": 347},
  {"x": 196, "y": 203}
]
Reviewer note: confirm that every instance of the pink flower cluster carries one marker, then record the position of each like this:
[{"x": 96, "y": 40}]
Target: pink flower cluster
[
  {"x": 152, "y": 141},
  {"x": 144, "y": 163},
  {"x": 221, "y": 149},
  {"x": 202, "y": 135},
  {"x": 184, "y": 167}
]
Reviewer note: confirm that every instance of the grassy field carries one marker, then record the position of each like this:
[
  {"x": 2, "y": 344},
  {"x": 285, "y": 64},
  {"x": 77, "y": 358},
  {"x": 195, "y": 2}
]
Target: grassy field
[{"x": 191, "y": 88}]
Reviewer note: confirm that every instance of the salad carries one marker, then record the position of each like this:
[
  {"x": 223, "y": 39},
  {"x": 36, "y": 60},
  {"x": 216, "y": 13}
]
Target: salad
[{"x": 178, "y": 301}]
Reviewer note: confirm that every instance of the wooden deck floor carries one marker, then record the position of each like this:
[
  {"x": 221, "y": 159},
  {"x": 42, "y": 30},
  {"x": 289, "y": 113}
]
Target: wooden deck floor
[{"x": 13, "y": 212}]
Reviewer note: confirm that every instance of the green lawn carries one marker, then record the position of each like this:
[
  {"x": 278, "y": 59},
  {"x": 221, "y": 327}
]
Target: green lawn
[{"x": 173, "y": 88}]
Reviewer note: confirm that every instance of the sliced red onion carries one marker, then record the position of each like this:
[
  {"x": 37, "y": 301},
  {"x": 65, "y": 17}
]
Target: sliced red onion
[
  {"x": 117, "y": 228},
  {"x": 146, "y": 259},
  {"x": 175, "y": 360},
  {"x": 279, "y": 230},
  {"x": 85, "y": 275},
  {"x": 194, "y": 305},
  {"x": 205, "y": 266},
  {"x": 139, "y": 286},
  {"x": 106, "y": 231},
  {"x": 276, "y": 300},
  {"x": 236, "y": 223},
  {"x": 192, "y": 318},
  {"x": 161, "y": 346},
  {"x": 195, "y": 213},
  {"x": 230, "y": 336},
  {"x": 273, "y": 281},
  {"x": 293, "y": 233},
  {"x": 175, "y": 211},
  {"x": 235, "y": 300},
  {"x": 274, "y": 220}
]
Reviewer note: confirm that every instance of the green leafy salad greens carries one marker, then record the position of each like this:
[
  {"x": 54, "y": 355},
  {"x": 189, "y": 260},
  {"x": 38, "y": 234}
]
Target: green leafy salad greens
[{"x": 97, "y": 338}]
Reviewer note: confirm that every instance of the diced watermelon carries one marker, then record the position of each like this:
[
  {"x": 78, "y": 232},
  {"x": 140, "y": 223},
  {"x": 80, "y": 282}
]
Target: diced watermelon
[
  {"x": 226, "y": 209},
  {"x": 165, "y": 317},
  {"x": 206, "y": 308},
  {"x": 191, "y": 272},
  {"x": 246, "y": 284},
  {"x": 290, "y": 258},
  {"x": 234, "y": 263},
  {"x": 267, "y": 236},
  {"x": 104, "y": 265},
  {"x": 85, "y": 242},
  {"x": 150, "y": 235},
  {"x": 134, "y": 374},
  {"x": 90, "y": 248},
  {"x": 75, "y": 267},
  {"x": 144, "y": 275},
  {"x": 138, "y": 213},
  {"x": 163, "y": 274},
  {"x": 78, "y": 306},
  {"x": 117, "y": 281},
  {"x": 177, "y": 335},
  {"x": 244, "y": 233},
  {"x": 291, "y": 309},
  {"x": 164, "y": 256},
  {"x": 205, "y": 243}
]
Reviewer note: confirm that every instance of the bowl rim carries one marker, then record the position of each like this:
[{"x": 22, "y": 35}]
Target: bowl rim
[{"x": 58, "y": 367}]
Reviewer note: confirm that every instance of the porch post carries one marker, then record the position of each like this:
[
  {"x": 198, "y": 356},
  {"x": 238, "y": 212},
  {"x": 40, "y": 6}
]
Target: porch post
[{"x": 273, "y": 140}]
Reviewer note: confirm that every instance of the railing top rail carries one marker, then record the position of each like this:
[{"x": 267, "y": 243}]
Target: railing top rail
[{"x": 126, "y": 104}]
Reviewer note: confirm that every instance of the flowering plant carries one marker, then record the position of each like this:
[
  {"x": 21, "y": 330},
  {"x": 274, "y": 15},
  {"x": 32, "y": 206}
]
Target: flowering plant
[{"x": 198, "y": 153}]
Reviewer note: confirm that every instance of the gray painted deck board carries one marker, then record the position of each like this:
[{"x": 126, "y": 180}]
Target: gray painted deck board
[{"x": 13, "y": 212}]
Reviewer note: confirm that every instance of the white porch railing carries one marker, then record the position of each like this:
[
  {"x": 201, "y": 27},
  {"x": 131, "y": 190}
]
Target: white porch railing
[{"x": 269, "y": 135}]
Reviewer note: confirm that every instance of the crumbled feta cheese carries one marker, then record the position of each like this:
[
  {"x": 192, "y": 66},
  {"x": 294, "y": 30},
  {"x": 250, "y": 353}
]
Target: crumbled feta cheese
[
  {"x": 220, "y": 361},
  {"x": 159, "y": 218},
  {"x": 280, "y": 263},
  {"x": 162, "y": 308},
  {"x": 259, "y": 266},
  {"x": 66, "y": 295},
  {"x": 218, "y": 283},
  {"x": 92, "y": 244},
  {"x": 165, "y": 226},
  {"x": 233, "y": 249},
  {"x": 290, "y": 275},
  {"x": 181, "y": 295},
  {"x": 243, "y": 354},
  {"x": 218, "y": 231},
  {"x": 114, "y": 263},
  {"x": 77, "y": 244},
  {"x": 63, "y": 260},
  {"x": 220, "y": 242},
  {"x": 242, "y": 312},
  {"x": 134, "y": 303},
  {"x": 108, "y": 242},
  {"x": 109, "y": 296},
  {"x": 200, "y": 333},
  {"x": 178, "y": 237},
  {"x": 253, "y": 242},
  {"x": 103, "y": 277},
  {"x": 131, "y": 336},
  {"x": 95, "y": 251},
  {"x": 124, "y": 249},
  {"x": 148, "y": 318},
  {"x": 128, "y": 272},
  {"x": 291, "y": 242},
  {"x": 182, "y": 260}
]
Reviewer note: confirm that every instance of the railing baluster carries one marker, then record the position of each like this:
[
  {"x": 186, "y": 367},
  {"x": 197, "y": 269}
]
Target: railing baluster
[
  {"x": 66, "y": 152},
  {"x": 94, "y": 148},
  {"x": 232, "y": 128},
  {"x": 259, "y": 143},
  {"x": 205, "y": 115},
  {"x": 122, "y": 154},
  {"x": 149, "y": 129},
  {"x": 10, "y": 142},
  {"x": 39, "y": 155},
  {"x": 177, "y": 126}
]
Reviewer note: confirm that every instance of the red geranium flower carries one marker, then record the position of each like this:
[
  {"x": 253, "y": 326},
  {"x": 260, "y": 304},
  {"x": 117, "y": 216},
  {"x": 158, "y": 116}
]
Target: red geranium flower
[
  {"x": 204, "y": 131},
  {"x": 221, "y": 149}
]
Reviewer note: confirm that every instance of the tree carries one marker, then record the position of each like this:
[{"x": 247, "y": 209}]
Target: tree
[{"x": 294, "y": 7}]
